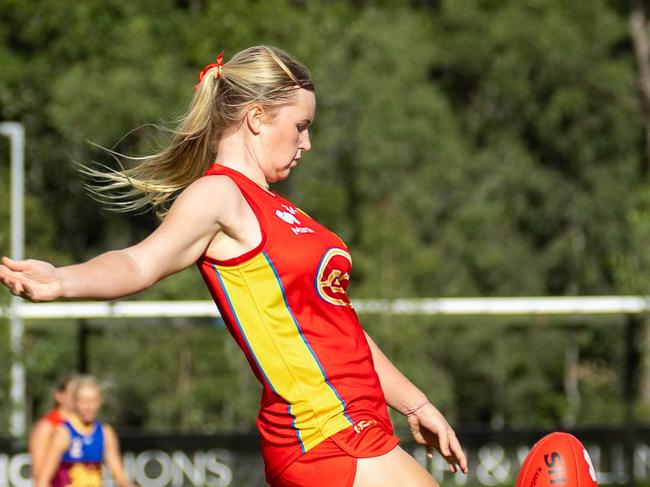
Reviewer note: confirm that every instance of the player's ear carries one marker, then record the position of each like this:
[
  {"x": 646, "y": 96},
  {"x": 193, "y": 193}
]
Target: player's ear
[{"x": 255, "y": 116}]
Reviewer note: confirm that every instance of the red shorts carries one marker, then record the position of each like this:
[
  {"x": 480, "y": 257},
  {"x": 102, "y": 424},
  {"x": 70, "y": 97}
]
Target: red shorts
[{"x": 333, "y": 462}]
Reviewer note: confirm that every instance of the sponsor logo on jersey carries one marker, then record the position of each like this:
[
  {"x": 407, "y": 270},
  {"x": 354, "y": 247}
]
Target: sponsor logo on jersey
[
  {"x": 333, "y": 277},
  {"x": 288, "y": 215}
]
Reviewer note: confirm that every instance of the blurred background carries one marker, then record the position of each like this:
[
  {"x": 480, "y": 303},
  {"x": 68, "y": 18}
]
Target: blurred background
[{"x": 462, "y": 148}]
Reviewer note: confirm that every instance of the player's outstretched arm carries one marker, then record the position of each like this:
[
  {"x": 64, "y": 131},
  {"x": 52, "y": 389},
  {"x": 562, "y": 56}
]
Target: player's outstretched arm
[
  {"x": 428, "y": 426},
  {"x": 193, "y": 220},
  {"x": 37, "y": 280}
]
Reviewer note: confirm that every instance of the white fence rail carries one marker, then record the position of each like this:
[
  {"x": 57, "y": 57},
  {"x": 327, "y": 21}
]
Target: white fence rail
[{"x": 525, "y": 306}]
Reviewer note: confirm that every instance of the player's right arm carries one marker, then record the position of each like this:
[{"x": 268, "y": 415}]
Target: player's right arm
[
  {"x": 39, "y": 439},
  {"x": 428, "y": 426},
  {"x": 201, "y": 211},
  {"x": 52, "y": 459}
]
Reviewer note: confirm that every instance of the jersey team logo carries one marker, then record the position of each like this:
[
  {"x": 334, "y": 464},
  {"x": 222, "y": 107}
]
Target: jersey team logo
[{"x": 333, "y": 277}]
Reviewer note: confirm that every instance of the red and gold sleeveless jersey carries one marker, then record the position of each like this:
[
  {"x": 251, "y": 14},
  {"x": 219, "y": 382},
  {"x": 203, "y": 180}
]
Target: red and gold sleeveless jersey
[{"x": 286, "y": 305}]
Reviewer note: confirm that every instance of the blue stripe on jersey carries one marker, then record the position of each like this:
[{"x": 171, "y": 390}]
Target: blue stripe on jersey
[{"x": 241, "y": 330}]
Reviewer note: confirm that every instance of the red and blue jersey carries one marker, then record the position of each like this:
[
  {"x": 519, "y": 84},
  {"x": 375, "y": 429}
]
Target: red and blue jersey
[
  {"x": 286, "y": 305},
  {"x": 81, "y": 464}
]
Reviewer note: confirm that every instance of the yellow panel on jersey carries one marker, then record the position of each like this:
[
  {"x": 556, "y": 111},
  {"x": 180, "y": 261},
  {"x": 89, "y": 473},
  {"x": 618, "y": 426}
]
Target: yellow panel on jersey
[{"x": 257, "y": 300}]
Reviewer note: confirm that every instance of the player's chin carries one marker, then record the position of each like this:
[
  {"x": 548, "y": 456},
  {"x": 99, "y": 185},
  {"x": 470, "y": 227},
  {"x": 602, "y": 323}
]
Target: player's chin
[{"x": 284, "y": 173}]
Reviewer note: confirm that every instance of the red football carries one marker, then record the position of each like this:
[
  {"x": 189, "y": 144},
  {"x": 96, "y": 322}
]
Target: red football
[{"x": 557, "y": 460}]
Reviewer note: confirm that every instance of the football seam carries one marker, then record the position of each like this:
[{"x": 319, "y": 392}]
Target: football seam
[
  {"x": 575, "y": 459},
  {"x": 529, "y": 455}
]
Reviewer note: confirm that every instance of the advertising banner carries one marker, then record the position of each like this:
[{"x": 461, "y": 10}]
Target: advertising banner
[{"x": 618, "y": 457}]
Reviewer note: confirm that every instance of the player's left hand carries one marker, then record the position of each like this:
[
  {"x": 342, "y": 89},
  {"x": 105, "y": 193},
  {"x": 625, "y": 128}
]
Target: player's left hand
[{"x": 430, "y": 428}]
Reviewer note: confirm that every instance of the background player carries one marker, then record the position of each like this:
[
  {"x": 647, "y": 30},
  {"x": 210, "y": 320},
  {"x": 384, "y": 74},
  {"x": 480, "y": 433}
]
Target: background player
[
  {"x": 81, "y": 444},
  {"x": 41, "y": 434}
]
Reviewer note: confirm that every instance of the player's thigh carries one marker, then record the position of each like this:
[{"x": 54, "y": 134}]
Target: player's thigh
[{"x": 395, "y": 468}]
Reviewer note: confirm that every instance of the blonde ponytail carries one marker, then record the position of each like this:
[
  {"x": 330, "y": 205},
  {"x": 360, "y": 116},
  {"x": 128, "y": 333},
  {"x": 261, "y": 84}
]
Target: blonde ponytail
[{"x": 261, "y": 74}]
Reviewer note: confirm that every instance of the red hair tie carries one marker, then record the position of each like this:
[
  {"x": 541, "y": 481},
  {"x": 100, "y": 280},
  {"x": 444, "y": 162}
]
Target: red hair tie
[{"x": 217, "y": 65}]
